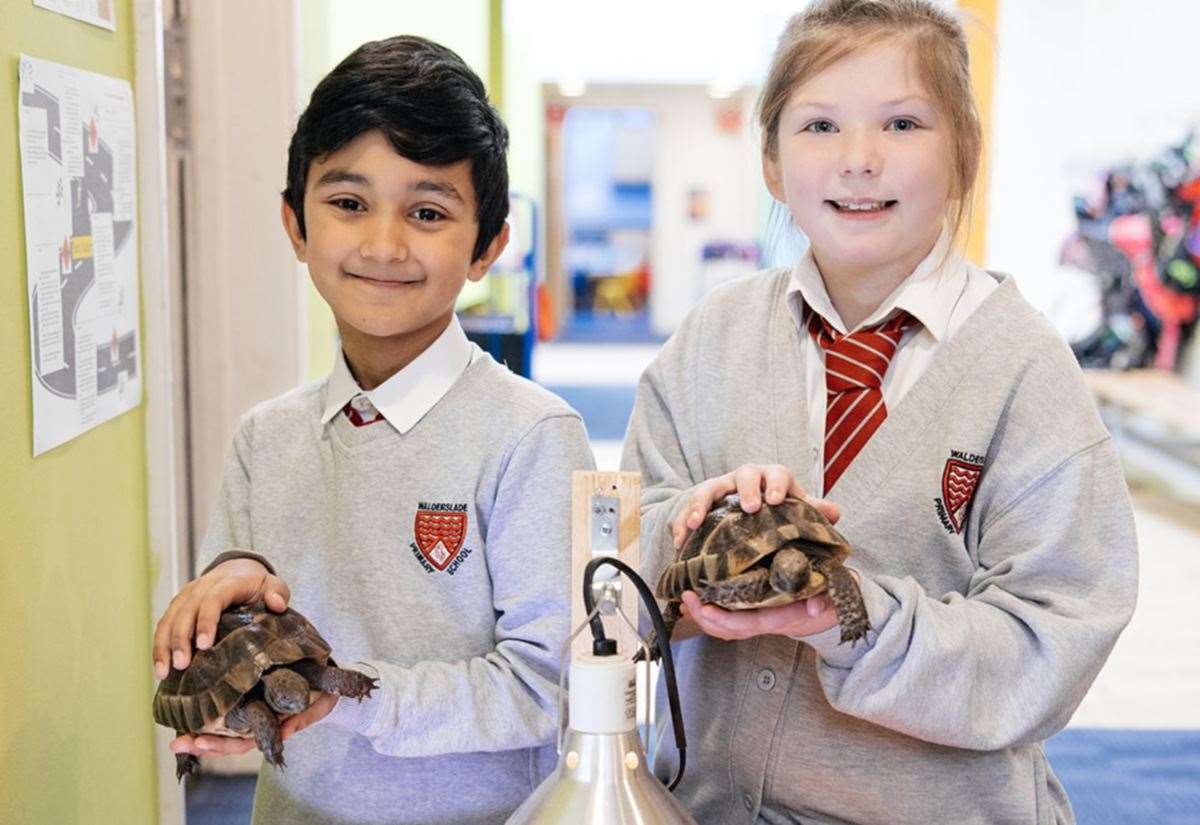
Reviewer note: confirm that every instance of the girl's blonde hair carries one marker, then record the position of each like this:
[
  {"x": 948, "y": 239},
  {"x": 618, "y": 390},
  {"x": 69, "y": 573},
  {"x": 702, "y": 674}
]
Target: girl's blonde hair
[{"x": 829, "y": 30}]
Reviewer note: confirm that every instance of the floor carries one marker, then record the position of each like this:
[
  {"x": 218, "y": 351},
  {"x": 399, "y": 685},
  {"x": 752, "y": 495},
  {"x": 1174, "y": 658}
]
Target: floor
[
  {"x": 1129, "y": 777},
  {"x": 1132, "y": 752}
]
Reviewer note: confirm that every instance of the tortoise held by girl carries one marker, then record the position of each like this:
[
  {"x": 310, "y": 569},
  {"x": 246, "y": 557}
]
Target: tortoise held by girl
[{"x": 778, "y": 554}]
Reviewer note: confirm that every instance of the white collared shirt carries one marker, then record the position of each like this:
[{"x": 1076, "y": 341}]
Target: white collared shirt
[
  {"x": 941, "y": 293},
  {"x": 404, "y": 398}
]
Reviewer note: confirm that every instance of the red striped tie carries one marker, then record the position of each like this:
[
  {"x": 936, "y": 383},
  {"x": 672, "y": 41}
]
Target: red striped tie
[
  {"x": 854, "y": 368},
  {"x": 361, "y": 412}
]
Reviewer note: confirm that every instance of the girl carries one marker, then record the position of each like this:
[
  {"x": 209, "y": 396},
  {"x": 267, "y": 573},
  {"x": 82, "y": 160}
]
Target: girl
[{"x": 943, "y": 420}]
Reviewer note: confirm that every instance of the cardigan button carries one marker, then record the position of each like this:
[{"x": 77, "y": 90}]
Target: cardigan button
[
  {"x": 748, "y": 801},
  {"x": 766, "y": 679}
]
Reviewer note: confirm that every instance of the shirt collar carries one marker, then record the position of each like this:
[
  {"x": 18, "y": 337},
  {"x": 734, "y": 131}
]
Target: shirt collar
[
  {"x": 404, "y": 398},
  {"x": 928, "y": 294}
]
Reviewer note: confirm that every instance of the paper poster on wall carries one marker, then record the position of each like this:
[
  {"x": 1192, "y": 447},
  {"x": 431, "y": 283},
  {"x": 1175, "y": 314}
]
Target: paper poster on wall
[
  {"x": 77, "y": 172},
  {"x": 96, "y": 12}
]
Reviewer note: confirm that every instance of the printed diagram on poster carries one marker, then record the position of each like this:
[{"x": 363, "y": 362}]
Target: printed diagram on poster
[
  {"x": 96, "y": 12},
  {"x": 78, "y": 175}
]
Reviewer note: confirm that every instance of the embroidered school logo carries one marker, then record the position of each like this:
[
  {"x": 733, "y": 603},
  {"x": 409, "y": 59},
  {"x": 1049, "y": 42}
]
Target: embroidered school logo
[
  {"x": 959, "y": 480},
  {"x": 439, "y": 530}
]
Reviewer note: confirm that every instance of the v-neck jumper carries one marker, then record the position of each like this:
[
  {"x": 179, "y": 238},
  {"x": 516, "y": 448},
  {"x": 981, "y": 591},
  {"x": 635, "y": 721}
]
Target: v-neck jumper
[
  {"x": 992, "y": 530},
  {"x": 438, "y": 560}
]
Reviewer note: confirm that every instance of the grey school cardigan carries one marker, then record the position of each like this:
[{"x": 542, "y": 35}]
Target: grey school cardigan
[
  {"x": 465, "y": 635},
  {"x": 990, "y": 619}
]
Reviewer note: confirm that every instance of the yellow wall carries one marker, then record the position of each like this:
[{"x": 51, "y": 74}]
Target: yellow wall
[
  {"x": 76, "y": 743},
  {"x": 981, "y": 39}
]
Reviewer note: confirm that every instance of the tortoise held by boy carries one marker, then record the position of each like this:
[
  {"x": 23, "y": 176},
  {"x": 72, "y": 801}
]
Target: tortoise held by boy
[
  {"x": 780, "y": 554},
  {"x": 259, "y": 671}
]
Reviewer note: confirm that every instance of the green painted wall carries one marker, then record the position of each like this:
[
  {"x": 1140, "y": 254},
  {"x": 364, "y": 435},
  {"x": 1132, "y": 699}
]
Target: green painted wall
[{"x": 76, "y": 742}]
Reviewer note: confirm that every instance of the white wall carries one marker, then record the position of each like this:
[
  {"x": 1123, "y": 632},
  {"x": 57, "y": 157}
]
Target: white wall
[
  {"x": 461, "y": 25},
  {"x": 690, "y": 152},
  {"x": 1080, "y": 85},
  {"x": 634, "y": 41}
]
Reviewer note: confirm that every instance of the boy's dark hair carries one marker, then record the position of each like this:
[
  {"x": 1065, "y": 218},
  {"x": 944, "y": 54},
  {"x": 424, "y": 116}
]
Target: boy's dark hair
[{"x": 428, "y": 103}]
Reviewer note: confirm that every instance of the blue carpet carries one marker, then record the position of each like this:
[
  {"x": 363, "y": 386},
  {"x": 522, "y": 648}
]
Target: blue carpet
[
  {"x": 219, "y": 800},
  {"x": 605, "y": 409},
  {"x": 1128, "y": 777},
  {"x": 1114, "y": 777}
]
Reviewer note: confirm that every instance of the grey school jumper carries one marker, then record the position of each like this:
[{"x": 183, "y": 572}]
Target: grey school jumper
[
  {"x": 984, "y": 641},
  {"x": 461, "y": 729}
]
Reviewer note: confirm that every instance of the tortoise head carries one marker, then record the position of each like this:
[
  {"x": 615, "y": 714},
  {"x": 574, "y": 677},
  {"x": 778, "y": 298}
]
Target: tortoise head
[{"x": 285, "y": 690}]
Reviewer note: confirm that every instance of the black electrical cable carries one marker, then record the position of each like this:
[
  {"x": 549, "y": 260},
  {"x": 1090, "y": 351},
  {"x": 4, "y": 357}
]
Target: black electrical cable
[{"x": 661, "y": 641}]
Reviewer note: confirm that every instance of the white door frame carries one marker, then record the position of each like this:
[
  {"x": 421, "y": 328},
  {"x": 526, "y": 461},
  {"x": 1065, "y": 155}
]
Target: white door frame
[
  {"x": 162, "y": 343},
  {"x": 245, "y": 293},
  {"x": 223, "y": 301}
]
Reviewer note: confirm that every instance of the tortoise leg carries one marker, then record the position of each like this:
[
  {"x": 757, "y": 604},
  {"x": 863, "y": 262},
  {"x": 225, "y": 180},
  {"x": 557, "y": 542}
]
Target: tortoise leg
[
  {"x": 348, "y": 683},
  {"x": 261, "y": 722},
  {"x": 285, "y": 691},
  {"x": 185, "y": 763},
  {"x": 748, "y": 588},
  {"x": 848, "y": 602},
  {"x": 789, "y": 571}
]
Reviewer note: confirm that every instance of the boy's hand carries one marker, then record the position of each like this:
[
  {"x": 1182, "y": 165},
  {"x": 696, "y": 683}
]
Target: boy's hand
[
  {"x": 314, "y": 713},
  {"x": 754, "y": 483},
  {"x": 211, "y": 745},
  {"x": 802, "y": 618},
  {"x": 197, "y": 607}
]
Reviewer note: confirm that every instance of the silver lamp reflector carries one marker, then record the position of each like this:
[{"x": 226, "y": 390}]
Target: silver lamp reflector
[{"x": 602, "y": 777}]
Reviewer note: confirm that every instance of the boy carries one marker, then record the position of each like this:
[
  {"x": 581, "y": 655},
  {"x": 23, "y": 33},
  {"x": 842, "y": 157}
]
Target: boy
[{"x": 417, "y": 500}]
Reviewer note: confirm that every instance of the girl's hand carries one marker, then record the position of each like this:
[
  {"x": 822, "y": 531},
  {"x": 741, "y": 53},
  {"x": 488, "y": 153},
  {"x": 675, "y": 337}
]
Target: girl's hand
[
  {"x": 802, "y": 618},
  {"x": 754, "y": 483}
]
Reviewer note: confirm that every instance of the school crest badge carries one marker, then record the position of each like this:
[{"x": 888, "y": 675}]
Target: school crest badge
[
  {"x": 960, "y": 477},
  {"x": 439, "y": 531}
]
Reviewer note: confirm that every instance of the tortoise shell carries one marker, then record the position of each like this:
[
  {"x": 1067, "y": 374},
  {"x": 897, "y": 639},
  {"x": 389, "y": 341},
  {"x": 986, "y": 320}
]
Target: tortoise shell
[
  {"x": 731, "y": 542},
  {"x": 250, "y": 641},
  {"x": 779, "y": 554}
]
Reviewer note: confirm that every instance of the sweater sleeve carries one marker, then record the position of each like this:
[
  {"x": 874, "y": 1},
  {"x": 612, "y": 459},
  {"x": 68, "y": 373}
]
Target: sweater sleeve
[
  {"x": 1008, "y": 662},
  {"x": 658, "y": 446},
  {"x": 507, "y": 698}
]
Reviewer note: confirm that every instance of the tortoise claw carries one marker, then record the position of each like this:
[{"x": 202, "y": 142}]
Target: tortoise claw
[
  {"x": 185, "y": 764},
  {"x": 652, "y": 644},
  {"x": 363, "y": 687}
]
